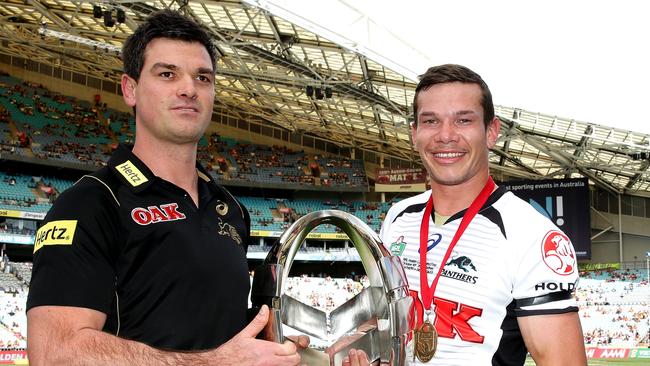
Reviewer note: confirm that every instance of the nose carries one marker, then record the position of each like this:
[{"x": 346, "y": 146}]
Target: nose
[
  {"x": 187, "y": 88},
  {"x": 447, "y": 132}
]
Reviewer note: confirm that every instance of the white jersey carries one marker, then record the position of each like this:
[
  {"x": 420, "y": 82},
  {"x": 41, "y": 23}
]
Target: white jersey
[{"x": 511, "y": 261}]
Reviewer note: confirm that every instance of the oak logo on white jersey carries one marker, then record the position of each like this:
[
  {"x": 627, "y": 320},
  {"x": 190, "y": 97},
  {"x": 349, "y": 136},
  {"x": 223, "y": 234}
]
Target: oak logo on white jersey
[
  {"x": 154, "y": 214},
  {"x": 558, "y": 253},
  {"x": 452, "y": 318}
]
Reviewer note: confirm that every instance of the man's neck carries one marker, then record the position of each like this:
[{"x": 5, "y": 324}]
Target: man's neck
[
  {"x": 450, "y": 199},
  {"x": 171, "y": 162}
]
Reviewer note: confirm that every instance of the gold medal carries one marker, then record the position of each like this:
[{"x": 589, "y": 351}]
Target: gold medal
[{"x": 426, "y": 342}]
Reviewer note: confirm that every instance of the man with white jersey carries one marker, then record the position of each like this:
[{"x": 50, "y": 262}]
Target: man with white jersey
[{"x": 499, "y": 276}]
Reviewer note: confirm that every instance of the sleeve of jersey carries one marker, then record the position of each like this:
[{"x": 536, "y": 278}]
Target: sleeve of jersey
[
  {"x": 73, "y": 251},
  {"x": 546, "y": 274}
]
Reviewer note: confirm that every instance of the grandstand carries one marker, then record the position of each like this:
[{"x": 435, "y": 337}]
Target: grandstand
[
  {"x": 622, "y": 299},
  {"x": 305, "y": 155}
]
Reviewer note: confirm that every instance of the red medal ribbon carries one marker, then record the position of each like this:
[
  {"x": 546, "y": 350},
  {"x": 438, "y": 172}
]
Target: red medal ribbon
[{"x": 426, "y": 290}]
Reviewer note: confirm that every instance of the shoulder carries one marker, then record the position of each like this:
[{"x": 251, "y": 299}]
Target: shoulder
[
  {"x": 242, "y": 209},
  {"x": 90, "y": 194},
  {"x": 519, "y": 213},
  {"x": 412, "y": 204}
]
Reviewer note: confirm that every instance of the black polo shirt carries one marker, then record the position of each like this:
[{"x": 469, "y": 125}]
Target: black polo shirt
[{"x": 134, "y": 246}]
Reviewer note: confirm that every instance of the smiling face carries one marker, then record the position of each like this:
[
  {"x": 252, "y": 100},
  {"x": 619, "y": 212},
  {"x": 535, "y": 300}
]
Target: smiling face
[
  {"x": 174, "y": 94},
  {"x": 451, "y": 135}
]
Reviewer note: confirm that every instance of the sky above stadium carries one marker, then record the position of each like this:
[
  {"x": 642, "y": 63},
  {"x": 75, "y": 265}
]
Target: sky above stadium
[{"x": 587, "y": 60}]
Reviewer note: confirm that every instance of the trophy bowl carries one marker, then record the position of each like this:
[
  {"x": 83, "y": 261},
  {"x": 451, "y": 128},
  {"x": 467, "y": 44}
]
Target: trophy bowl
[{"x": 377, "y": 320}]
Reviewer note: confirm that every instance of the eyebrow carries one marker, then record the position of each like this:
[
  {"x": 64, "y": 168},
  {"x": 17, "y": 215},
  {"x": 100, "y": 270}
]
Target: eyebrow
[
  {"x": 465, "y": 112},
  {"x": 163, "y": 65},
  {"x": 458, "y": 113},
  {"x": 205, "y": 70}
]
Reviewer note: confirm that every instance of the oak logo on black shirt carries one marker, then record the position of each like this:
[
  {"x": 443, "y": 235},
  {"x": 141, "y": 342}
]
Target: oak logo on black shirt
[
  {"x": 60, "y": 232},
  {"x": 154, "y": 214}
]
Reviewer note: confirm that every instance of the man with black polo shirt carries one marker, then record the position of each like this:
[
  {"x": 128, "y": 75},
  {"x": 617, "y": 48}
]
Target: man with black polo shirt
[{"x": 144, "y": 261}]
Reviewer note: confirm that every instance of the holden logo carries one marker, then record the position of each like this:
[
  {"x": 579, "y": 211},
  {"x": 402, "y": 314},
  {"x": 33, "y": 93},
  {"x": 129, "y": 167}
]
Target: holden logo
[{"x": 558, "y": 253}]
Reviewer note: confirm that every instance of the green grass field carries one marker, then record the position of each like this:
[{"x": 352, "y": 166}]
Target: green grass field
[{"x": 606, "y": 362}]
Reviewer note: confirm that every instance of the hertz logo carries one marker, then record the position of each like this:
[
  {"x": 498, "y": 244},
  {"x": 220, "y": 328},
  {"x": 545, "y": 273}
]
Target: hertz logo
[
  {"x": 55, "y": 233},
  {"x": 131, "y": 173}
]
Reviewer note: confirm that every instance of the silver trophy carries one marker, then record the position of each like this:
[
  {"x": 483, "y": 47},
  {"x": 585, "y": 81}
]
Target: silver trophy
[{"x": 375, "y": 321}]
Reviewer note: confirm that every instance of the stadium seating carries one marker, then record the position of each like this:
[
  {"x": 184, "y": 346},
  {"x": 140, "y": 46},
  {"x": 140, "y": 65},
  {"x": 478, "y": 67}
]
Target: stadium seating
[
  {"x": 614, "y": 307},
  {"x": 46, "y": 125},
  {"x": 13, "y": 321},
  {"x": 29, "y": 193},
  {"x": 14, "y": 279}
]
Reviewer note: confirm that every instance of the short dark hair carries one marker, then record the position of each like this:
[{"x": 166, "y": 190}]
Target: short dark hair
[
  {"x": 163, "y": 24},
  {"x": 450, "y": 73}
]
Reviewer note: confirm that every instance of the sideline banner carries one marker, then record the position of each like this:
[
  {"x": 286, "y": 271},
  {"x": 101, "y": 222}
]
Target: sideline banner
[
  {"x": 598, "y": 266},
  {"x": 640, "y": 353},
  {"x": 9, "y": 357},
  {"x": 401, "y": 180},
  {"x": 16, "y": 239},
  {"x": 22, "y": 214},
  {"x": 597, "y": 352},
  {"x": 563, "y": 201},
  {"x": 321, "y": 236}
]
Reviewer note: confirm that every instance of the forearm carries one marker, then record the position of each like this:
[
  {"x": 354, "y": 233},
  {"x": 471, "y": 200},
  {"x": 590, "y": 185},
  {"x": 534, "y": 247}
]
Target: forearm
[
  {"x": 97, "y": 348},
  {"x": 71, "y": 336}
]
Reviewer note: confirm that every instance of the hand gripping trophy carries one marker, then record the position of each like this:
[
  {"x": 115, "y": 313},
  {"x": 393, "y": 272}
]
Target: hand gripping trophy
[{"x": 375, "y": 321}]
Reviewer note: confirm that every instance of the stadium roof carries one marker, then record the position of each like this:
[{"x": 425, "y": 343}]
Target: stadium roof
[{"x": 267, "y": 64}]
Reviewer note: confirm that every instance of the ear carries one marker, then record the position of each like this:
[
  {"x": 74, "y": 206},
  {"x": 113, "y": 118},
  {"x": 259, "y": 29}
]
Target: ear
[
  {"x": 128, "y": 90},
  {"x": 493, "y": 129}
]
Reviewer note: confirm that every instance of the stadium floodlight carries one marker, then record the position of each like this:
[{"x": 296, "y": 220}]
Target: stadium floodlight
[
  {"x": 80, "y": 40},
  {"x": 108, "y": 18},
  {"x": 121, "y": 16},
  {"x": 97, "y": 11}
]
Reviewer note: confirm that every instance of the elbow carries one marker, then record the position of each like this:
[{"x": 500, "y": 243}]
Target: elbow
[
  {"x": 40, "y": 356},
  {"x": 45, "y": 360}
]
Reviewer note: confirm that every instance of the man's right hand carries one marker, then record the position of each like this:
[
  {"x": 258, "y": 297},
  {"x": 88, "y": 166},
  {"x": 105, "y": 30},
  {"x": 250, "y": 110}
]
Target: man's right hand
[{"x": 244, "y": 349}]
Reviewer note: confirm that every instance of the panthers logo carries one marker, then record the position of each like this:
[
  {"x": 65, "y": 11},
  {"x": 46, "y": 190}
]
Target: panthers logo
[
  {"x": 462, "y": 262},
  {"x": 226, "y": 229}
]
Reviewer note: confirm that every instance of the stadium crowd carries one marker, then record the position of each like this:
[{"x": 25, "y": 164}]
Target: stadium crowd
[
  {"x": 614, "y": 307},
  {"x": 46, "y": 125}
]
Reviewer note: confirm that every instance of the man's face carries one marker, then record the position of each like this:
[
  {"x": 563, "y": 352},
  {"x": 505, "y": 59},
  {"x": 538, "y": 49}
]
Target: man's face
[
  {"x": 175, "y": 93},
  {"x": 451, "y": 136}
]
